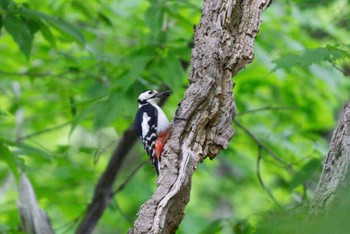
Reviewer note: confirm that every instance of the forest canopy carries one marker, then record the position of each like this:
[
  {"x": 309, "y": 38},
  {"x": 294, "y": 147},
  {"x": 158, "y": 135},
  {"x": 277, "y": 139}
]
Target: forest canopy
[{"x": 71, "y": 72}]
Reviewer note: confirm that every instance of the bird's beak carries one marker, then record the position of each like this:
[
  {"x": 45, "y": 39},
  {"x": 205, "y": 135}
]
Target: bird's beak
[{"x": 161, "y": 94}]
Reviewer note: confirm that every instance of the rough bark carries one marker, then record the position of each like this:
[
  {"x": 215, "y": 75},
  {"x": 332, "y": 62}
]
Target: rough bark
[
  {"x": 223, "y": 45},
  {"x": 334, "y": 184}
]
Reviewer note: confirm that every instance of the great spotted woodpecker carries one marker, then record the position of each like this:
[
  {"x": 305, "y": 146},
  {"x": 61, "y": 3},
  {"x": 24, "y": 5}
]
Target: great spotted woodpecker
[{"x": 152, "y": 126}]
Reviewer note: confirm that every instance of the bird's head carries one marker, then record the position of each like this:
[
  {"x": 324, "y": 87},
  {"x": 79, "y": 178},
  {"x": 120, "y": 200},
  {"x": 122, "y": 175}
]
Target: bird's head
[{"x": 151, "y": 96}]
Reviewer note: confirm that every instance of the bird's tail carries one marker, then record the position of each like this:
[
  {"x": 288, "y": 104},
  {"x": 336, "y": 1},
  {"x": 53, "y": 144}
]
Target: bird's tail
[{"x": 156, "y": 165}]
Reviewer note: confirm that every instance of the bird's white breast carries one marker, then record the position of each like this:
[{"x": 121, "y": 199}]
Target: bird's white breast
[{"x": 163, "y": 122}]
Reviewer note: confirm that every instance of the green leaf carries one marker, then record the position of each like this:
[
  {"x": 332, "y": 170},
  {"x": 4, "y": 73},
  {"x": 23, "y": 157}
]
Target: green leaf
[
  {"x": 61, "y": 25},
  {"x": 213, "y": 227},
  {"x": 29, "y": 150},
  {"x": 137, "y": 65},
  {"x": 7, "y": 156},
  {"x": 33, "y": 25},
  {"x": 171, "y": 72},
  {"x": 154, "y": 19},
  {"x": 20, "y": 32},
  {"x": 305, "y": 173},
  {"x": 311, "y": 56},
  {"x": 3, "y": 113},
  {"x": 107, "y": 111},
  {"x": 105, "y": 19},
  {"x": 4, "y": 4},
  {"x": 1, "y": 23},
  {"x": 47, "y": 34}
]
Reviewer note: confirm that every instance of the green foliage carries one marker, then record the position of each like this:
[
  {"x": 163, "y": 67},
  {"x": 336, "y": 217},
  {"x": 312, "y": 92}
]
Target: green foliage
[
  {"x": 20, "y": 31},
  {"x": 312, "y": 56},
  {"x": 8, "y": 158},
  {"x": 22, "y": 23},
  {"x": 300, "y": 221},
  {"x": 65, "y": 104}
]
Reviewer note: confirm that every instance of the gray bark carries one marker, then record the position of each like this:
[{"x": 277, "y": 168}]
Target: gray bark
[
  {"x": 334, "y": 185},
  {"x": 34, "y": 220},
  {"x": 223, "y": 45}
]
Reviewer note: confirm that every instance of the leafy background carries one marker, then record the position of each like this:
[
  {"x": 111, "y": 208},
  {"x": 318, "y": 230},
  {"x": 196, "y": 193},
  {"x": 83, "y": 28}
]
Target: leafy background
[{"x": 70, "y": 75}]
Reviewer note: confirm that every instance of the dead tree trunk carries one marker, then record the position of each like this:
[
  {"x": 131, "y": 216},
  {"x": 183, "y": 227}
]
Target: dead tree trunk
[
  {"x": 334, "y": 185},
  {"x": 223, "y": 44}
]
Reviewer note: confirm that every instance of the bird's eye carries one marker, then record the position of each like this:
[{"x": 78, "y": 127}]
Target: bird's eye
[{"x": 150, "y": 92}]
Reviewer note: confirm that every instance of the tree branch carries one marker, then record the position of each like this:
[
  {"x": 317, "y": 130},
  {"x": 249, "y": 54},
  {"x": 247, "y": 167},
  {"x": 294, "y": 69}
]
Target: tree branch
[
  {"x": 261, "y": 181},
  {"x": 334, "y": 182},
  {"x": 104, "y": 189},
  {"x": 265, "y": 147},
  {"x": 223, "y": 45}
]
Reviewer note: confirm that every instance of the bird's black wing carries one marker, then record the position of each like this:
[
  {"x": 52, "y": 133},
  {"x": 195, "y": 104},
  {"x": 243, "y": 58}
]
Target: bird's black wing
[{"x": 147, "y": 116}]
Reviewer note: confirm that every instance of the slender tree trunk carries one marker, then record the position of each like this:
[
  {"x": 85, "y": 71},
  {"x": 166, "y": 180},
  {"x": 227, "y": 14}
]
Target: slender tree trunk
[
  {"x": 334, "y": 185},
  {"x": 223, "y": 44}
]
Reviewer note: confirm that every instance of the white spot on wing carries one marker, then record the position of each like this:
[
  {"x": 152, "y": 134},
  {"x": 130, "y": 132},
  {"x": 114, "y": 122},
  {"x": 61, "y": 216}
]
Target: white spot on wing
[{"x": 144, "y": 124}]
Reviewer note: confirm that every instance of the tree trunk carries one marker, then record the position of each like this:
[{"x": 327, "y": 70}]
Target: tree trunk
[
  {"x": 34, "y": 219},
  {"x": 223, "y": 45},
  {"x": 334, "y": 185}
]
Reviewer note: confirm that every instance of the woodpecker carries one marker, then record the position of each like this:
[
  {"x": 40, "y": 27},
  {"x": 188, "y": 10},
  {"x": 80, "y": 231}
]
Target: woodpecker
[{"x": 152, "y": 125}]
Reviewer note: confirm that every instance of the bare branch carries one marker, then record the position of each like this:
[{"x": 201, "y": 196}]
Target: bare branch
[
  {"x": 103, "y": 191},
  {"x": 261, "y": 182}
]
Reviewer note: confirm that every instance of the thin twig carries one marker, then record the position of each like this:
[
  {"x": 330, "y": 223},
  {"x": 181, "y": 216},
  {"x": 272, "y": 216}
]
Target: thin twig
[
  {"x": 267, "y": 108},
  {"x": 31, "y": 74},
  {"x": 126, "y": 217},
  {"x": 44, "y": 131},
  {"x": 266, "y": 148},
  {"x": 258, "y": 174},
  {"x": 70, "y": 224},
  {"x": 126, "y": 181},
  {"x": 339, "y": 69}
]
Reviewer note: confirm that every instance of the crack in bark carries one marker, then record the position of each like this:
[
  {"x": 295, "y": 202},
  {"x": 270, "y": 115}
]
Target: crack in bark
[{"x": 202, "y": 123}]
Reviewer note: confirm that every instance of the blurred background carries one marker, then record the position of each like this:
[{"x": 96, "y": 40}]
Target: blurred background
[{"x": 71, "y": 72}]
